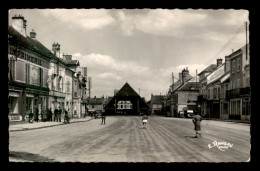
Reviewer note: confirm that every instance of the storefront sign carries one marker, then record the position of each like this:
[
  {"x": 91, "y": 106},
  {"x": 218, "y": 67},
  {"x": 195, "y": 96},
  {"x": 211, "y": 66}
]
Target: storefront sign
[{"x": 15, "y": 117}]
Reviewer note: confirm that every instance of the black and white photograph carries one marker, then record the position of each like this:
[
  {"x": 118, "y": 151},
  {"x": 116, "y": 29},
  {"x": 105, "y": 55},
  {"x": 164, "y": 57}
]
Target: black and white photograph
[{"x": 125, "y": 85}]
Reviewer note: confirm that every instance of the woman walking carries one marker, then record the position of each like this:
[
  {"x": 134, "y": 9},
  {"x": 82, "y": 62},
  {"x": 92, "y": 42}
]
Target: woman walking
[{"x": 196, "y": 120}]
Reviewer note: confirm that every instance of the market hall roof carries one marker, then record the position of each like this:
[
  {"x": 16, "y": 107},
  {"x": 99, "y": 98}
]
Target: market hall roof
[{"x": 127, "y": 91}]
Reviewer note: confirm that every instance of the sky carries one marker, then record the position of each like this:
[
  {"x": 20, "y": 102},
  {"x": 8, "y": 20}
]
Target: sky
[{"x": 142, "y": 47}]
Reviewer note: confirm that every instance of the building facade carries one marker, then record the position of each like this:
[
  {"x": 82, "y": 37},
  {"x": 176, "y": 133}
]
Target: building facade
[
  {"x": 38, "y": 77},
  {"x": 29, "y": 62},
  {"x": 156, "y": 104},
  {"x": 239, "y": 93}
]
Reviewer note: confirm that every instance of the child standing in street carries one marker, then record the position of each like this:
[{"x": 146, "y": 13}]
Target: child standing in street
[{"x": 144, "y": 119}]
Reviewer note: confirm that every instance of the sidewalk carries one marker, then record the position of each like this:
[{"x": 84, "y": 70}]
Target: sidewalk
[
  {"x": 228, "y": 120},
  {"x": 36, "y": 125}
]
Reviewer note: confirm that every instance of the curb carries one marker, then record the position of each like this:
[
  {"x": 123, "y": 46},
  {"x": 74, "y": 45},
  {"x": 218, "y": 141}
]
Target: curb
[
  {"x": 26, "y": 129},
  {"x": 228, "y": 121}
]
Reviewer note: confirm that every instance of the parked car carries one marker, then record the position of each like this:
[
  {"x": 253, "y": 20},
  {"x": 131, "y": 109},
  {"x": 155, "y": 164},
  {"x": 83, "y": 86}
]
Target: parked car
[
  {"x": 189, "y": 113},
  {"x": 181, "y": 114},
  {"x": 98, "y": 114},
  {"x": 92, "y": 112}
]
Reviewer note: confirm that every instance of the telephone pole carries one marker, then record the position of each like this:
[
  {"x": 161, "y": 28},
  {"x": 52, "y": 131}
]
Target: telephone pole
[
  {"x": 246, "y": 27},
  {"x": 89, "y": 85}
]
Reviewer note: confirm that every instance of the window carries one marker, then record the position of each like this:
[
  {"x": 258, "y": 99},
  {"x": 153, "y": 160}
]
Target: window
[
  {"x": 238, "y": 107},
  {"x": 19, "y": 71},
  {"x": 234, "y": 84},
  {"x": 58, "y": 83},
  {"x": 215, "y": 93},
  {"x": 222, "y": 90},
  {"x": 45, "y": 77},
  {"x": 233, "y": 107},
  {"x": 22, "y": 55},
  {"x": 233, "y": 66},
  {"x": 218, "y": 92},
  {"x": 34, "y": 75},
  {"x": 246, "y": 107},
  {"x": 238, "y": 83},
  {"x": 238, "y": 64},
  {"x": 68, "y": 87},
  {"x": 225, "y": 108},
  {"x": 11, "y": 69}
]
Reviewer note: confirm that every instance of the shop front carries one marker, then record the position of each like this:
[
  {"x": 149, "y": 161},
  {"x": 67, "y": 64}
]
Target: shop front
[
  {"x": 15, "y": 106},
  {"x": 16, "y": 98},
  {"x": 35, "y": 99}
]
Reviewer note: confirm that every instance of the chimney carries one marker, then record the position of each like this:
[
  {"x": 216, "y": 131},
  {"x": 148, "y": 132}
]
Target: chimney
[
  {"x": 180, "y": 76},
  {"x": 56, "y": 49},
  {"x": 185, "y": 73},
  {"x": 67, "y": 57},
  {"x": 19, "y": 24},
  {"x": 33, "y": 34},
  {"x": 219, "y": 62}
]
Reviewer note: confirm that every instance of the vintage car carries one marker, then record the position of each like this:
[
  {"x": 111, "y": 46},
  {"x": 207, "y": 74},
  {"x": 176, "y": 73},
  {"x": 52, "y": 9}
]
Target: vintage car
[
  {"x": 189, "y": 113},
  {"x": 181, "y": 114},
  {"x": 98, "y": 114}
]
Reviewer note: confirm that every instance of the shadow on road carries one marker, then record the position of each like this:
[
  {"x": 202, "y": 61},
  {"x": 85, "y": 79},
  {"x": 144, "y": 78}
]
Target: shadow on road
[
  {"x": 29, "y": 157},
  {"x": 190, "y": 136}
]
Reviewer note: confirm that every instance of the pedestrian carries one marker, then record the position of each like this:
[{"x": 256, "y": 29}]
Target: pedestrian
[
  {"x": 56, "y": 111},
  {"x": 44, "y": 114},
  {"x": 36, "y": 114},
  {"x": 103, "y": 118},
  {"x": 144, "y": 120},
  {"x": 59, "y": 114},
  {"x": 50, "y": 115},
  {"x": 66, "y": 116},
  {"x": 30, "y": 116},
  {"x": 196, "y": 121}
]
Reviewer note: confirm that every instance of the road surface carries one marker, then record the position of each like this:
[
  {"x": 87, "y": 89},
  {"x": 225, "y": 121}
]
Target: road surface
[{"x": 123, "y": 139}]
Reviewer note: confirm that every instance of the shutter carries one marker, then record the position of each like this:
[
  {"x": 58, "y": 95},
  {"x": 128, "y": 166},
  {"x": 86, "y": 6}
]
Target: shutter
[{"x": 41, "y": 76}]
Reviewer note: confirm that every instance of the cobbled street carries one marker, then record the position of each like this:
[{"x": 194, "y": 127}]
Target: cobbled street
[{"x": 123, "y": 139}]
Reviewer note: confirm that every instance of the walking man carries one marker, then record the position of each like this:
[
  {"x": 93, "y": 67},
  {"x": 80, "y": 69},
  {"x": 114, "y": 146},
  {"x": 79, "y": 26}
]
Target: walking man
[
  {"x": 36, "y": 114},
  {"x": 103, "y": 118},
  {"x": 30, "y": 116},
  {"x": 50, "y": 114},
  {"x": 59, "y": 114},
  {"x": 56, "y": 111},
  {"x": 66, "y": 117},
  {"x": 196, "y": 120}
]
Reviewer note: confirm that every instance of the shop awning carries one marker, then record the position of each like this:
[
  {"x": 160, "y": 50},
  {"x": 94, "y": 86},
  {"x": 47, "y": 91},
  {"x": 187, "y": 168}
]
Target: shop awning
[
  {"x": 29, "y": 95},
  {"x": 13, "y": 94}
]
